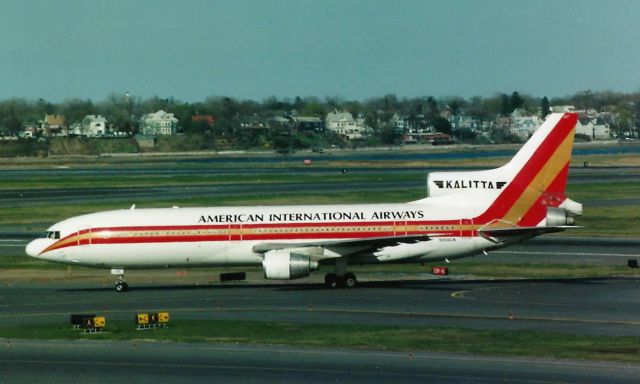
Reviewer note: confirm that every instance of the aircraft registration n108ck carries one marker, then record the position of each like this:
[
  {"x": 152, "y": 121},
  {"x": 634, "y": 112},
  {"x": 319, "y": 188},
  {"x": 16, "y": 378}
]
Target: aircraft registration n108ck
[{"x": 465, "y": 213}]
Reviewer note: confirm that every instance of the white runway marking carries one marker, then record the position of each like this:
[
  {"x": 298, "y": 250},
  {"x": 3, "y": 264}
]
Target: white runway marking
[{"x": 567, "y": 253}]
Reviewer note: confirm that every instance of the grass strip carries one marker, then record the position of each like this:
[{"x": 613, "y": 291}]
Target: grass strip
[
  {"x": 609, "y": 221},
  {"x": 603, "y": 191},
  {"x": 132, "y": 181},
  {"x": 445, "y": 339}
]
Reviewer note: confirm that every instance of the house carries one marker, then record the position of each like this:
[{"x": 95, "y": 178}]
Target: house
[
  {"x": 345, "y": 125},
  {"x": 562, "y": 108},
  {"x": 399, "y": 124},
  {"x": 255, "y": 124},
  {"x": 93, "y": 126},
  {"x": 308, "y": 124},
  {"x": 593, "y": 128},
  {"x": 75, "y": 129},
  {"x": 523, "y": 125},
  {"x": 207, "y": 121},
  {"x": 54, "y": 125},
  {"x": 158, "y": 123},
  {"x": 29, "y": 131},
  {"x": 281, "y": 124},
  {"x": 463, "y": 122}
]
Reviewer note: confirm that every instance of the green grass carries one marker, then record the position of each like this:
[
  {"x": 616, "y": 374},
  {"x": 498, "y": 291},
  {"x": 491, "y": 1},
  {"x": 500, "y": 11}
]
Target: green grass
[
  {"x": 23, "y": 262},
  {"x": 611, "y": 221},
  {"x": 84, "y": 181},
  {"x": 603, "y": 191},
  {"x": 446, "y": 339}
]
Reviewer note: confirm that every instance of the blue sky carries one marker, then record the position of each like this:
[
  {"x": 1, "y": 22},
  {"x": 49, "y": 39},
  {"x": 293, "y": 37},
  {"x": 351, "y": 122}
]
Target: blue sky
[{"x": 354, "y": 49}]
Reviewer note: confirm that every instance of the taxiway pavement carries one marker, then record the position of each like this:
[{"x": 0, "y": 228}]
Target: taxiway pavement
[
  {"x": 608, "y": 306},
  {"x": 146, "y": 362}
]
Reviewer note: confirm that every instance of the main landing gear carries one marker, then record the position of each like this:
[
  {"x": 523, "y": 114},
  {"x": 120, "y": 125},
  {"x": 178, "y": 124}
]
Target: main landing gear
[
  {"x": 342, "y": 278},
  {"x": 348, "y": 280},
  {"x": 121, "y": 284}
]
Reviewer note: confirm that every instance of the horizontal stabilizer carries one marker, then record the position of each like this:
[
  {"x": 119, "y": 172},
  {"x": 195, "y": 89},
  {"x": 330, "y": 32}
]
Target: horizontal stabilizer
[{"x": 494, "y": 234}]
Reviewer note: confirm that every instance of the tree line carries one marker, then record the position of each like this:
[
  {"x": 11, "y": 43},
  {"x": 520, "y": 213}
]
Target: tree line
[{"x": 123, "y": 111}]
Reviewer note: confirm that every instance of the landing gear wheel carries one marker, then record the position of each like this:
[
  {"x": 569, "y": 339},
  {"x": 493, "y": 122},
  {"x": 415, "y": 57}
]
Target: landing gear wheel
[
  {"x": 121, "y": 286},
  {"x": 349, "y": 280},
  {"x": 331, "y": 280}
]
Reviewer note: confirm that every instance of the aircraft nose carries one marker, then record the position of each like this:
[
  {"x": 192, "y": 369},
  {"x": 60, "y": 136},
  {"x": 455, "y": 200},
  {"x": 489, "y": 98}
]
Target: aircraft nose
[{"x": 34, "y": 248}]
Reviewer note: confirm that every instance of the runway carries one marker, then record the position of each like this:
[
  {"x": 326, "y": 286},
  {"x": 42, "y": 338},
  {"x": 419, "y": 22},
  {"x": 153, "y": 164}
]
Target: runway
[{"x": 147, "y": 362}]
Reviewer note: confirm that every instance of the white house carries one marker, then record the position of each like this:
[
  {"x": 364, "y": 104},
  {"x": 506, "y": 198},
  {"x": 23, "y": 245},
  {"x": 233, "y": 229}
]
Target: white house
[
  {"x": 523, "y": 125},
  {"x": 464, "y": 122},
  {"x": 593, "y": 128},
  {"x": 158, "y": 123},
  {"x": 29, "y": 131},
  {"x": 562, "y": 108},
  {"x": 398, "y": 123},
  {"x": 93, "y": 126},
  {"x": 345, "y": 125}
]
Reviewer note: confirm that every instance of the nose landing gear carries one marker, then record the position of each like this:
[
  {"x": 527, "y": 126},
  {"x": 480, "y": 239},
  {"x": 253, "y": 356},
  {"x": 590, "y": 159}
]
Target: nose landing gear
[{"x": 121, "y": 284}]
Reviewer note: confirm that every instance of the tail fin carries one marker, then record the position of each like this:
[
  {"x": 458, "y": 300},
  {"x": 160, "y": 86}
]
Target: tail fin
[{"x": 519, "y": 192}]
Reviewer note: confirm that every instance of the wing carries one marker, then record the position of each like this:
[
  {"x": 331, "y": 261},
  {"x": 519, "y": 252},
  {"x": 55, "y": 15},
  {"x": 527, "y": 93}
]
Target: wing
[{"x": 323, "y": 249}]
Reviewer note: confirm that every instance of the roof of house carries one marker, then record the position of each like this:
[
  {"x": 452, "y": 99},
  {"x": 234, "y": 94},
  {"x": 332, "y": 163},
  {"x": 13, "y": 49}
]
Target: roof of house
[
  {"x": 339, "y": 116},
  {"x": 54, "y": 119},
  {"x": 209, "y": 119},
  {"x": 307, "y": 119},
  {"x": 159, "y": 115},
  {"x": 94, "y": 119}
]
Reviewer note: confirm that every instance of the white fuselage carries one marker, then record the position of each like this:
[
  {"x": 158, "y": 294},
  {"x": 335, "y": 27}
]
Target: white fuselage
[{"x": 182, "y": 237}]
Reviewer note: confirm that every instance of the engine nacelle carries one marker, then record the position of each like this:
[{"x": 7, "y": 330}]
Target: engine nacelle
[
  {"x": 284, "y": 265},
  {"x": 573, "y": 208},
  {"x": 558, "y": 217}
]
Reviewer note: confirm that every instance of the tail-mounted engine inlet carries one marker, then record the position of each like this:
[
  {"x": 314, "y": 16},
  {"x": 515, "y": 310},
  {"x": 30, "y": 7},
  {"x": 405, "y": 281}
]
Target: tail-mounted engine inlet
[{"x": 559, "y": 217}]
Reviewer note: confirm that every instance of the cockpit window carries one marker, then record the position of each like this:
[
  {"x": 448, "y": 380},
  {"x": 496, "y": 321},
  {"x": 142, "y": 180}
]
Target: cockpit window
[{"x": 52, "y": 235}]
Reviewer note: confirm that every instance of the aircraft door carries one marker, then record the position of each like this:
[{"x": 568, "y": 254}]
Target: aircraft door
[
  {"x": 84, "y": 235},
  {"x": 400, "y": 228},
  {"x": 466, "y": 228}
]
